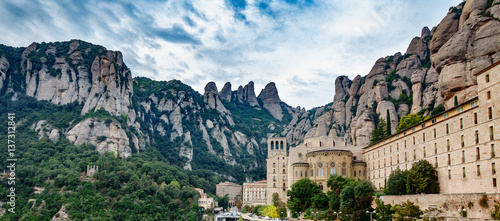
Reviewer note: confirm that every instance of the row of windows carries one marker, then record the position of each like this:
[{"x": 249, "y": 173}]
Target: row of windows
[
  {"x": 434, "y": 132},
  {"x": 476, "y": 140},
  {"x": 320, "y": 172},
  {"x": 478, "y": 157}
]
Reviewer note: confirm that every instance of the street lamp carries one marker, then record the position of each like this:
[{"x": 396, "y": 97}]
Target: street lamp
[
  {"x": 315, "y": 215},
  {"x": 298, "y": 214},
  {"x": 337, "y": 214},
  {"x": 371, "y": 213},
  {"x": 462, "y": 211}
]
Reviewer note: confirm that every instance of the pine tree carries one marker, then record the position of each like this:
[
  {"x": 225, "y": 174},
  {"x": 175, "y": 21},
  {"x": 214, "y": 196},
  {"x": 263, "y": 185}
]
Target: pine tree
[{"x": 389, "y": 129}]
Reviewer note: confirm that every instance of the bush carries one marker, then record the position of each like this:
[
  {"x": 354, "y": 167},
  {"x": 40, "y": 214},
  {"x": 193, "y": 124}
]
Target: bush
[{"x": 483, "y": 202}]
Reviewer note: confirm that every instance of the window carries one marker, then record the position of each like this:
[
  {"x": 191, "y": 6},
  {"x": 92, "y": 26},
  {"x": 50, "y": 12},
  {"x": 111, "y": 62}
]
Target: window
[
  {"x": 449, "y": 159},
  {"x": 494, "y": 182},
  {"x": 436, "y": 160},
  {"x": 406, "y": 157},
  {"x": 492, "y": 150},
  {"x": 477, "y": 136},
  {"x": 412, "y": 129},
  {"x": 344, "y": 172},
  {"x": 283, "y": 170},
  {"x": 305, "y": 174},
  {"x": 301, "y": 174},
  {"x": 492, "y": 137},
  {"x": 274, "y": 178},
  {"x": 447, "y": 129},
  {"x": 478, "y": 154},
  {"x": 296, "y": 173},
  {"x": 320, "y": 172},
  {"x": 332, "y": 170},
  {"x": 449, "y": 174},
  {"x": 488, "y": 94},
  {"x": 354, "y": 173},
  {"x": 384, "y": 163},
  {"x": 398, "y": 158},
  {"x": 461, "y": 123},
  {"x": 463, "y": 156},
  {"x": 425, "y": 154},
  {"x": 475, "y": 118},
  {"x": 414, "y": 154},
  {"x": 463, "y": 171},
  {"x": 423, "y": 137},
  {"x": 473, "y": 104},
  {"x": 413, "y": 140},
  {"x": 274, "y": 185},
  {"x": 462, "y": 141},
  {"x": 460, "y": 109},
  {"x": 490, "y": 113},
  {"x": 360, "y": 173},
  {"x": 283, "y": 178},
  {"x": 274, "y": 170},
  {"x": 448, "y": 144},
  {"x": 405, "y": 143},
  {"x": 435, "y": 148},
  {"x": 487, "y": 77},
  {"x": 493, "y": 169},
  {"x": 434, "y": 132},
  {"x": 312, "y": 172},
  {"x": 283, "y": 162},
  {"x": 478, "y": 170},
  {"x": 446, "y": 115}
]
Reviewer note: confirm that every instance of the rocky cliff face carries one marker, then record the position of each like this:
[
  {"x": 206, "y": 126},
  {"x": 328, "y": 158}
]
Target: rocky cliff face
[{"x": 437, "y": 66}]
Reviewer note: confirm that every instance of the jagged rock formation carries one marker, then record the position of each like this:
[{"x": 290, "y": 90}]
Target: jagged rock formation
[
  {"x": 105, "y": 135},
  {"x": 271, "y": 100}
]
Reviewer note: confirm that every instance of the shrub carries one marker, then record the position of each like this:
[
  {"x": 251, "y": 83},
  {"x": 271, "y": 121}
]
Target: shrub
[{"x": 483, "y": 202}]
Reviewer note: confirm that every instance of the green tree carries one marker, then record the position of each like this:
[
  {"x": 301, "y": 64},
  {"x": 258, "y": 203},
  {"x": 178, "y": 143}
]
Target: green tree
[
  {"x": 320, "y": 201},
  {"x": 276, "y": 200},
  {"x": 380, "y": 132},
  {"x": 389, "y": 129},
  {"x": 301, "y": 194},
  {"x": 406, "y": 211},
  {"x": 383, "y": 211},
  {"x": 223, "y": 201},
  {"x": 336, "y": 183},
  {"x": 408, "y": 121},
  {"x": 396, "y": 184},
  {"x": 422, "y": 178}
]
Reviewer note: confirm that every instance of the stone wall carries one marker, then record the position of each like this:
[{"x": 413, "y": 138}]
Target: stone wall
[{"x": 449, "y": 204}]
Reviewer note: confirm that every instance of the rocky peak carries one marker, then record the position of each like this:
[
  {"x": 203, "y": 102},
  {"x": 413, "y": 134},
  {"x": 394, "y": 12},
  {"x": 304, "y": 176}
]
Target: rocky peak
[
  {"x": 271, "y": 100},
  {"x": 425, "y": 32},
  {"x": 226, "y": 92},
  {"x": 211, "y": 98},
  {"x": 249, "y": 94},
  {"x": 342, "y": 85}
]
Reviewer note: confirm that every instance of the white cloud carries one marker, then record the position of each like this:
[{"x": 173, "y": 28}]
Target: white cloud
[{"x": 301, "y": 48}]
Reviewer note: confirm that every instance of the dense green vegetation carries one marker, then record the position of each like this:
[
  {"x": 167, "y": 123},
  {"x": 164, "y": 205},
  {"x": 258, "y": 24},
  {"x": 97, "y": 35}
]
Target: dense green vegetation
[
  {"x": 145, "y": 186},
  {"x": 408, "y": 120},
  {"x": 421, "y": 178},
  {"x": 353, "y": 197}
]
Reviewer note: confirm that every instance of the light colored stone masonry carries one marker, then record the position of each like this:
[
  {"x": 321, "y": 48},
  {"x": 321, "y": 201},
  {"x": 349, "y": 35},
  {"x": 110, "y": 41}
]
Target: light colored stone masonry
[
  {"x": 449, "y": 204},
  {"x": 461, "y": 142}
]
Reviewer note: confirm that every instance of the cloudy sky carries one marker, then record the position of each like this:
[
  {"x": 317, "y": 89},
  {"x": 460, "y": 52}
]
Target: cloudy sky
[{"x": 301, "y": 45}]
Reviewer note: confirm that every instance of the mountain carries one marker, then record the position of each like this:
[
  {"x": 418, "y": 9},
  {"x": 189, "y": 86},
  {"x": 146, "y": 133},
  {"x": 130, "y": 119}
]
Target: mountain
[
  {"x": 437, "y": 67},
  {"x": 77, "y": 104}
]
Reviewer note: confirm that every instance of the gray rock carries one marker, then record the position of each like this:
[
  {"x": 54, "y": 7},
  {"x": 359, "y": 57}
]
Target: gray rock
[
  {"x": 271, "y": 100},
  {"x": 226, "y": 92}
]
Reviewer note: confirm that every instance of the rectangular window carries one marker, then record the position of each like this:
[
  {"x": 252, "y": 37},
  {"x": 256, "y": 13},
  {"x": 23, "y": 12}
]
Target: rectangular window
[
  {"x": 490, "y": 113},
  {"x": 332, "y": 170},
  {"x": 435, "y": 148},
  {"x": 434, "y": 132},
  {"x": 296, "y": 173},
  {"x": 461, "y": 123},
  {"x": 473, "y": 104},
  {"x": 478, "y": 170},
  {"x": 462, "y": 139},
  {"x": 344, "y": 172},
  {"x": 360, "y": 173},
  {"x": 436, "y": 160},
  {"x": 449, "y": 159},
  {"x": 301, "y": 174},
  {"x": 406, "y": 157},
  {"x": 413, "y": 140},
  {"x": 449, "y": 174},
  {"x": 477, "y": 136},
  {"x": 478, "y": 154},
  {"x": 463, "y": 171},
  {"x": 492, "y": 137},
  {"x": 423, "y": 137},
  {"x": 414, "y": 154},
  {"x": 463, "y": 156},
  {"x": 447, "y": 129},
  {"x": 446, "y": 115},
  {"x": 448, "y": 144},
  {"x": 488, "y": 94},
  {"x": 475, "y": 118},
  {"x": 312, "y": 172},
  {"x": 354, "y": 173},
  {"x": 425, "y": 154},
  {"x": 494, "y": 182},
  {"x": 283, "y": 178},
  {"x": 274, "y": 178},
  {"x": 493, "y": 169},
  {"x": 492, "y": 150},
  {"x": 460, "y": 109},
  {"x": 398, "y": 158},
  {"x": 283, "y": 170},
  {"x": 305, "y": 174},
  {"x": 487, "y": 77},
  {"x": 320, "y": 172}
]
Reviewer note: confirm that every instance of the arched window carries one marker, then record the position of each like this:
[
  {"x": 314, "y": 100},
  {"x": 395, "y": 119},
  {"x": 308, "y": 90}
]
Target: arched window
[{"x": 272, "y": 145}]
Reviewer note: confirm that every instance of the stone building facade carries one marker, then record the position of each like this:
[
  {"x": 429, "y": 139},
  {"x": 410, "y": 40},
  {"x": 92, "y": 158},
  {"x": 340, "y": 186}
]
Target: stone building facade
[
  {"x": 233, "y": 191},
  {"x": 254, "y": 193},
  {"x": 459, "y": 142},
  {"x": 204, "y": 201},
  {"x": 316, "y": 158}
]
